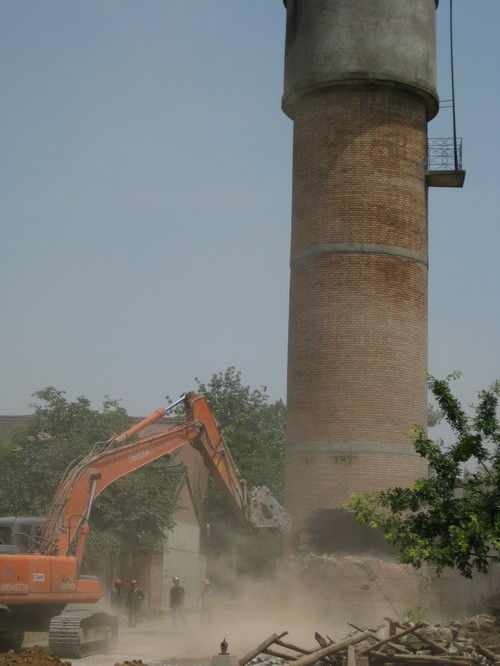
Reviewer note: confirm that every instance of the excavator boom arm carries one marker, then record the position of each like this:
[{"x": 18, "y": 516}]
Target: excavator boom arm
[
  {"x": 256, "y": 507},
  {"x": 71, "y": 506},
  {"x": 67, "y": 522}
]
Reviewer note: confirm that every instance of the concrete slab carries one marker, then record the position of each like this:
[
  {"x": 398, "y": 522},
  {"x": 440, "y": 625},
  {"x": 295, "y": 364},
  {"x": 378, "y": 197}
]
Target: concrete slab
[{"x": 453, "y": 178}]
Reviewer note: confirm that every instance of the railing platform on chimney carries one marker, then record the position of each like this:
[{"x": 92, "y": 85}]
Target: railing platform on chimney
[{"x": 444, "y": 163}]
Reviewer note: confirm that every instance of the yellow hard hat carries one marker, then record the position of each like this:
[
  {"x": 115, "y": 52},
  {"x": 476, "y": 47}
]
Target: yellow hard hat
[{"x": 206, "y": 582}]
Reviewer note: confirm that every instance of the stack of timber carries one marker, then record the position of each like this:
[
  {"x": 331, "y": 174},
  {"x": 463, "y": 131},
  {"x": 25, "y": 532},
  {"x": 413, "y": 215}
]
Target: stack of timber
[{"x": 405, "y": 644}]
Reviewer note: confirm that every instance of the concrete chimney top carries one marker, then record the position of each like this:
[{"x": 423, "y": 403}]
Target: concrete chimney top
[{"x": 348, "y": 42}]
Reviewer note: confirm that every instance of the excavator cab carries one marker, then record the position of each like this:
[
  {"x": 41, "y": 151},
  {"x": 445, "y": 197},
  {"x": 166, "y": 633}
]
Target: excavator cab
[{"x": 19, "y": 535}]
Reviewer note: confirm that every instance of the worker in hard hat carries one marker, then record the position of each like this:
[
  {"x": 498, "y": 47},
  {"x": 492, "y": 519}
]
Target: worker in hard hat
[
  {"x": 135, "y": 597},
  {"x": 206, "y": 601},
  {"x": 116, "y": 593},
  {"x": 177, "y": 596}
]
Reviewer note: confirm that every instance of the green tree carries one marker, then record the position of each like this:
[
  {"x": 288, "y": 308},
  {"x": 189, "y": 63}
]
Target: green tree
[
  {"x": 128, "y": 519},
  {"x": 252, "y": 426},
  {"x": 451, "y": 518}
]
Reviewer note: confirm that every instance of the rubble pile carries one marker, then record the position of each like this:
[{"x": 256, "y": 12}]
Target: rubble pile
[
  {"x": 264, "y": 660},
  {"x": 458, "y": 640},
  {"x": 400, "y": 582},
  {"x": 345, "y": 564},
  {"x": 461, "y": 636},
  {"x": 484, "y": 629},
  {"x": 395, "y": 643},
  {"x": 36, "y": 656}
]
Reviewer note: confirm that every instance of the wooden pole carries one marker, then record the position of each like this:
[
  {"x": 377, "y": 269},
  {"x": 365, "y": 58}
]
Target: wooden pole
[
  {"x": 351, "y": 656},
  {"x": 491, "y": 656},
  {"x": 323, "y": 643},
  {"x": 322, "y": 640},
  {"x": 440, "y": 649},
  {"x": 260, "y": 648},
  {"x": 394, "y": 646},
  {"x": 392, "y": 628},
  {"x": 291, "y": 646},
  {"x": 309, "y": 659},
  {"x": 388, "y": 640},
  {"x": 281, "y": 655},
  {"x": 383, "y": 658}
]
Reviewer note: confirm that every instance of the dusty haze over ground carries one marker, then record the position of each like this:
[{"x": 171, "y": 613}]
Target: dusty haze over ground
[{"x": 255, "y": 610}]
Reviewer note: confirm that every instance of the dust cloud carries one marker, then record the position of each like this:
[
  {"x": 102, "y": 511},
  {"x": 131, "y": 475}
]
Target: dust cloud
[{"x": 245, "y": 610}]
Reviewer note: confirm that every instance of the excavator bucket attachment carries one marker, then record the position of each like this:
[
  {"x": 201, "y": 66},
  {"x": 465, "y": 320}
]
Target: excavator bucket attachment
[{"x": 266, "y": 511}]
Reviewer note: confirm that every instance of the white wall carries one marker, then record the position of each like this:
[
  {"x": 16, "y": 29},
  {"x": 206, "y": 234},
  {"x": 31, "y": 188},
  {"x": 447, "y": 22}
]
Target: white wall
[{"x": 182, "y": 558}]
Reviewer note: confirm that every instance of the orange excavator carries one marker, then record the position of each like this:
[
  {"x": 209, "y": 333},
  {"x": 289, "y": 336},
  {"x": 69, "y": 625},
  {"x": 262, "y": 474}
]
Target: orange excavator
[{"x": 40, "y": 558}]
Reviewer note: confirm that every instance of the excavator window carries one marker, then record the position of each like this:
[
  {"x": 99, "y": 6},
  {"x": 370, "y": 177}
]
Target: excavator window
[
  {"x": 4, "y": 535},
  {"x": 22, "y": 536}
]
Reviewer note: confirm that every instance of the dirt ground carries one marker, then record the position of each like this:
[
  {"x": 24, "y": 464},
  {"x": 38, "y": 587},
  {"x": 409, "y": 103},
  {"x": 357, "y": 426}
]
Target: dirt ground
[
  {"x": 244, "y": 625},
  {"x": 157, "y": 642},
  {"x": 154, "y": 642}
]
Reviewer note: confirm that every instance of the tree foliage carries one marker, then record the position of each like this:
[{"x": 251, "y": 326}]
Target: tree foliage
[
  {"x": 130, "y": 516},
  {"x": 451, "y": 518},
  {"x": 252, "y": 426}
]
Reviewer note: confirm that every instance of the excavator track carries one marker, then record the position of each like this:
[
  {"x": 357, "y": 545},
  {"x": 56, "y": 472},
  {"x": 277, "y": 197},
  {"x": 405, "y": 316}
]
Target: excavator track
[{"x": 82, "y": 632}]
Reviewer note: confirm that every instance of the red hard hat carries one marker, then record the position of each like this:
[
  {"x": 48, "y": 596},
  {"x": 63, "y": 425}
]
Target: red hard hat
[{"x": 118, "y": 581}]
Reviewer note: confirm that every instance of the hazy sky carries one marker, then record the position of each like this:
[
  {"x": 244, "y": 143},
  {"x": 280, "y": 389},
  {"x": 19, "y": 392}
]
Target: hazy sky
[{"x": 145, "y": 204}]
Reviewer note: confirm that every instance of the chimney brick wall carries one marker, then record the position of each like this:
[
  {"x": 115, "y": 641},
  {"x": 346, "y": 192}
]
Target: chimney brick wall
[{"x": 357, "y": 353}]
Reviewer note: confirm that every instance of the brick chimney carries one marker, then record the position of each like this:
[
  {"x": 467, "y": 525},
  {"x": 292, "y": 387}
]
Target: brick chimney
[{"x": 360, "y": 89}]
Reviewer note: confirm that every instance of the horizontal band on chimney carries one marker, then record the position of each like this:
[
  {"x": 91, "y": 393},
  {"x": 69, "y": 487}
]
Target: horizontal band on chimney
[
  {"x": 342, "y": 447},
  {"x": 360, "y": 248}
]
